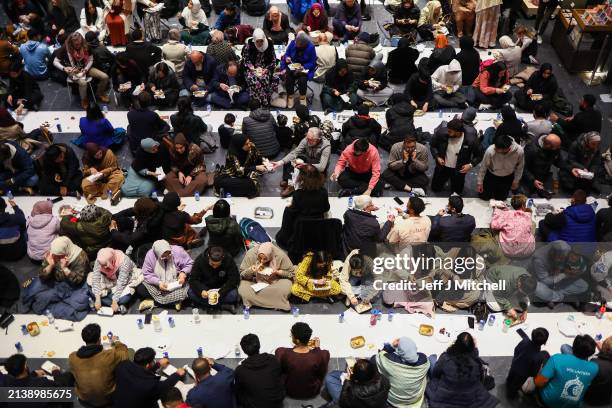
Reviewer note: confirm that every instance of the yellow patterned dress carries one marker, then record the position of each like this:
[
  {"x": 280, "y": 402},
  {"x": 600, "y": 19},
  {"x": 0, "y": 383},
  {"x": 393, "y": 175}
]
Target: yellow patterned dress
[{"x": 303, "y": 286}]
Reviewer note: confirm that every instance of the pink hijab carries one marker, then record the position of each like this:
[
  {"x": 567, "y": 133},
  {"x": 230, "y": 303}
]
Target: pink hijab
[
  {"x": 110, "y": 260},
  {"x": 42, "y": 207}
]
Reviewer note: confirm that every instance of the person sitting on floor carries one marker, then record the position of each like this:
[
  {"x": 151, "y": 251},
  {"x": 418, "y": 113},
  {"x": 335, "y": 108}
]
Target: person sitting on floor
[
  {"x": 373, "y": 87},
  {"x": 61, "y": 174},
  {"x": 103, "y": 177},
  {"x": 137, "y": 225},
  {"x": 95, "y": 128},
  {"x": 410, "y": 227},
  {"x": 527, "y": 360},
  {"x": 163, "y": 85},
  {"x": 314, "y": 277},
  {"x": 339, "y": 82},
  {"x": 583, "y": 157},
  {"x": 540, "y": 125},
  {"x": 143, "y": 175},
  {"x": 276, "y": 26},
  {"x": 356, "y": 279},
  {"x": 298, "y": 63},
  {"x": 144, "y": 123},
  {"x": 400, "y": 122},
  {"x": 358, "y": 170},
  {"x": 228, "y": 87},
  {"x": 600, "y": 392},
  {"x": 451, "y": 224},
  {"x": 302, "y": 122},
  {"x": 195, "y": 23},
  {"x": 408, "y": 162},
  {"x": 243, "y": 166},
  {"x": 223, "y": 229},
  {"x": 267, "y": 264},
  {"x": 214, "y": 280},
  {"x": 17, "y": 172},
  {"x": 209, "y": 387},
  {"x": 315, "y": 19},
  {"x": 114, "y": 280},
  {"x": 361, "y": 229},
  {"x": 361, "y": 126},
  {"x": 23, "y": 92},
  {"x": 20, "y": 376},
  {"x": 42, "y": 228},
  {"x": 188, "y": 171},
  {"x": 260, "y": 128},
  {"x": 197, "y": 75},
  {"x": 540, "y": 156},
  {"x": 587, "y": 120},
  {"x": 347, "y": 20},
  {"x": 90, "y": 229},
  {"x": 13, "y": 233},
  {"x": 188, "y": 123},
  {"x": 446, "y": 81},
  {"x": 177, "y": 224},
  {"x": 514, "y": 299},
  {"x": 576, "y": 223},
  {"x": 516, "y": 228},
  {"x": 542, "y": 83},
  {"x": 360, "y": 385},
  {"x": 36, "y": 55},
  {"x": 229, "y": 17},
  {"x": 492, "y": 86},
  {"x": 304, "y": 367},
  {"x": 64, "y": 261},
  {"x": 165, "y": 270}
]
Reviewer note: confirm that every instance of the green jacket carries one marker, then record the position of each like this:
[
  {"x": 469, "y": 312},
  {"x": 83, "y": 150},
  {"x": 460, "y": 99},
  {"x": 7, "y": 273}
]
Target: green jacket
[
  {"x": 510, "y": 297},
  {"x": 90, "y": 236}
]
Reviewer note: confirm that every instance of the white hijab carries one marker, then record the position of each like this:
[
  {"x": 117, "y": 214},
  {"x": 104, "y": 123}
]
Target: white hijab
[
  {"x": 165, "y": 270},
  {"x": 194, "y": 14},
  {"x": 259, "y": 34}
]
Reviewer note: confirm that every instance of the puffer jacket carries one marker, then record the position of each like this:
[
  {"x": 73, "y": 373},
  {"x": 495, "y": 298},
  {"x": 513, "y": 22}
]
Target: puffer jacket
[
  {"x": 224, "y": 232},
  {"x": 358, "y": 57},
  {"x": 580, "y": 225},
  {"x": 42, "y": 229},
  {"x": 357, "y": 127},
  {"x": 90, "y": 236},
  {"x": 400, "y": 122},
  {"x": 260, "y": 126},
  {"x": 371, "y": 395},
  {"x": 515, "y": 228},
  {"x": 362, "y": 231}
]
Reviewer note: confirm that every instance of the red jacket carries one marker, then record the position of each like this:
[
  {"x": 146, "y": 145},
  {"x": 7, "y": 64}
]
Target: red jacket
[
  {"x": 369, "y": 161},
  {"x": 482, "y": 82}
]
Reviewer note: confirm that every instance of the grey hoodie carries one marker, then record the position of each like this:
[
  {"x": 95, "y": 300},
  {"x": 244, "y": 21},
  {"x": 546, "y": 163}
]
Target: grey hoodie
[{"x": 502, "y": 165}]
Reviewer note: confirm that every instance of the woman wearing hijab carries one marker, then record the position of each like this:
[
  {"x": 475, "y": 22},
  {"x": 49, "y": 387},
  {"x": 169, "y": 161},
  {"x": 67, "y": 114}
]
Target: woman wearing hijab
[
  {"x": 464, "y": 12},
  {"x": 258, "y": 64},
  {"x": 339, "y": 81},
  {"x": 430, "y": 20},
  {"x": 177, "y": 224},
  {"x": 114, "y": 280},
  {"x": 492, "y": 86},
  {"x": 195, "y": 22},
  {"x": 512, "y": 126},
  {"x": 298, "y": 64},
  {"x": 405, "y": 19},
  {"x": 188, "y": 174},
  {"x": 42, "y": 228},
  {"x": 487, "y": 18},
  {"x": 469, "y": 59},
  {"x": 142, "y": 177},
  {"x": 220, "y": 49},
  {"x": 315, "y": 19},
  {"x": 75, "y": 61},
  {"x": 541, "y": 82},
  {"x": 90, "y": 231},
  {"x": 347, "y": 20},
  {"x": 163, "y": 80},
  {"x": 268, "y": 264},
  {"x": 102, "y": 176},
  {"x": 276, "y": 26},
  {"x": 456, "y": 378},
  {"x": 137, "y": 225},
  {"x": 510, "y": 53},
  {"x": 166, "y": 268},
  {"x": 316, "y": 276},
  {"x": 401, "y": 62},
  {"x": 223, "y": 229},
  {"x": 373, "y": 89},
  {"x": 64, "y": 261},
  {"x": 243, "y": 167}
]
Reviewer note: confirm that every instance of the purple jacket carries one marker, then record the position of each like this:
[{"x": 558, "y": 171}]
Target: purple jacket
[
  {"x": 41, "y": 229},
  {"x": 182, "y": 261}
]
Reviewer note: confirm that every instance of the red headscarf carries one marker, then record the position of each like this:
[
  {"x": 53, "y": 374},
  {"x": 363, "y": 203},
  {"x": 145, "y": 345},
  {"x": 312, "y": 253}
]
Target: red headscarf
[{"x": 314, "y": 22}]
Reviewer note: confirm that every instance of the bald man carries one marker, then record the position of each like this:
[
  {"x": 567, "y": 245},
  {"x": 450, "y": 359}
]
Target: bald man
[
  {"x": 211, "y": 391},
  {"x": 197, "y": 76},
  {"x": 539, "y": 157}
]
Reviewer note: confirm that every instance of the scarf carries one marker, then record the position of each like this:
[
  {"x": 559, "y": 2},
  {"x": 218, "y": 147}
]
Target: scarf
[
  {"x": 276, "y": 23},
  {"x": 195, "y": 14},
  {"x": 267, "y": 249},
  {"x": 180, "y": 160},
  {"x": 63, "y": 246},
  {"x": 42, "y": 207},
  {"x": 258, "y": 34},
  {"x": 110, "y": 260},
  {"x": 315, "y": 22},
  {"x": 164, "y": 269}
]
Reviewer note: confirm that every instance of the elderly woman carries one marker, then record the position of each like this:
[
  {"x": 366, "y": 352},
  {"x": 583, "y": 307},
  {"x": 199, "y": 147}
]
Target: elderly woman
[
  {"x": 266, "y": 264},
  {"x": 347, "y": 20},
  {"x": 276, "y": 26},
  {"x": 542, "y": 83},
  {"x": 188, "y": 175},
  {"x": 90, "y": 230},
  {"x": 220, "y": 49},
  {"x": 316, "y": 277},
  {"x": 102, "y": 175},
  {"x": 64, "y": 261},
  {"x": 194, "y": 20},
  {"x": 243, "y": 166},
  {"x": 42, "y": 228},
  {"x": 299, "y": 64},
  {"x": 118, "y": 21},
  {"x": 177, "y": 224},
  {"x": 114, "y": 280},
  {"x": 430, "y": 20},
  {"x": 75, "y": 60},
  {"x": 165, "y": 271},
  {"x": 510, "y": 53},
  {"x": 315, "y": 19},
  {"x": 142, "y": 177},
  {"x": 339, "y": 81},
  {"x": 464, "y": 13},
  {"x": 175, "y": 52},
  {"x": 163, "y": 85},
  {"x": 258, "y": 64},
  {"x": 487, "y": 19}
]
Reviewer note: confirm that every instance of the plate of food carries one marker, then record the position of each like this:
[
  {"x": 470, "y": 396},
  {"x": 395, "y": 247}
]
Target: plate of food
[
  {"x": 200, "y": 94},
  {"x": 159, "y": 94},
  {"x": 536, "y": 97},
  {"x": 363, "y": 307},
  {"x": 125, "y": 86},
  {"x": 506, "y": 87},
  {"x": 296, "y": 66},
  {"x": 33, "y": 329},
  {"x": 358, "y": 342},
  {"x": 449, "y": 89},
  {"x": 443, "y": 335},
  {"x": 213, "y": 297},
  {"x": 418, "y": 112},
  {"x": 426, "y": 330}
]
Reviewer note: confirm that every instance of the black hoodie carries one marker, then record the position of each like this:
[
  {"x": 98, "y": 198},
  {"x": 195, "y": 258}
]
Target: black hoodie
[
  {"x": 370, "y": 395},
  {"x": 138, "y": 387},
  {"x": 259, "y": 382}
]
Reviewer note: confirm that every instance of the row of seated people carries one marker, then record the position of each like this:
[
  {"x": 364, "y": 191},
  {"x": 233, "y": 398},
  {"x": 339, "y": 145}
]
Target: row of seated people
[{"x": 396, "y": 375}]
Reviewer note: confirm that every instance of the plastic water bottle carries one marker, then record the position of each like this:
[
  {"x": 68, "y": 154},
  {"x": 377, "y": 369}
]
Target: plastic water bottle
[
  {"x": 601, "y": 311},
  {"x": 105, "y": 109},
  {"x": 208, "y": 108},
  {"x": 110, "y": 336},
  {"x": 491, "y": 320},
  {"x": 334, "y": 114},
  {"x": 19, "y": 347},
  {"x": 598, "y": 337},
  {"x": 440, "y": 113},
  {"x": 481, "y": 325},
  {"x": 594, "y": 204},
  {"x": 171, "y": 322},
  {"x": 351, "y": 202},
  {"x": 373, "y": 319},
  {"x": 109, "y": 194},
  {"x": 156, "y": 324},
  {"x": 295, "y": 311},
  {"x": 196, "y": 196},
  {"x": 246, "y": 313},
  {"x": 154, "y": 195},
  {"x": 341, "y": 317},
  {"x": 140, "y": 324},
  {"x": 390, "y": 315},
  {"x": 59, "y": 127},
  {"x": 498, "y": 115},
  {"x": 9, "y": 195},
  {"x": 200, "y": 352},
  {"x": 190, "y": 48},
  {"x": 221, "y": 193},
  {"x": 228, "y": 198},
  {"x": 237, "y": 351},
  {"x": 530, "y": 203},
  {"x": 166, "y": 355},
  {"x": 24, "y": 329},
  {"x": 50, "y": 316},
  {"x": 195, "y": 312}
]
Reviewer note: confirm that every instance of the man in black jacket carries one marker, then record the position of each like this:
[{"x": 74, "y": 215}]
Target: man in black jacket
[
  {"x": 450, "y": 224},
  {"x": 23, "y": 91},
  {"x": 229, "y": 78},
  {"x": 539, "y": 158},
  {"x": 103, "y": 59},
  {"x": 142, "y": 52},
  {"x": 456, "y": 152},
  {"x": 587, "y": 120},
  {"x": 258, "y": 379},
  {"x": 361, "y": 229},
  {"x": 527, "y": 361},
  {"x": 214, "y": 271},
  {"x": 137, "y": 384},
  {"x": 20, "y": 376},
  {"x": 361, "y": 126}
]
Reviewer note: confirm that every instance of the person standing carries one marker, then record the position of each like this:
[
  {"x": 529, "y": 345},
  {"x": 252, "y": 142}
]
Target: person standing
[
  {"x": 501, "y": 169},
  {"x": 545, "y": 9},
  {"x": 487, "y": 18}
]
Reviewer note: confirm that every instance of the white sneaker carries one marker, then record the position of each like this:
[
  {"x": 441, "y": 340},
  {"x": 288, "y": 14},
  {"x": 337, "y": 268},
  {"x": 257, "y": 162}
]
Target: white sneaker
[
  {"x": 419, "y": 192},
  {"x": 539, "y": 39}
]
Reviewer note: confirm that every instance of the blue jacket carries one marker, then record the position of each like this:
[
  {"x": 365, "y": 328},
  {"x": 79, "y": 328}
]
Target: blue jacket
[
  {"x": 23, "y": 165},
  {"x": 216, "y": 391},
  {"x": 308, "y": 59},
  {"x": 224, "y": 21},
  {"x": 580, "y": 225},
  {"x": 35, "y": 55},
  {"x": 99, "y": 132}
]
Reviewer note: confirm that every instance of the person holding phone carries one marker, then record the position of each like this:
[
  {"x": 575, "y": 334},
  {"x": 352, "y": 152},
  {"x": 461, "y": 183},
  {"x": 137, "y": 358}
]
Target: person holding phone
[{"x": 408, "y": 162}]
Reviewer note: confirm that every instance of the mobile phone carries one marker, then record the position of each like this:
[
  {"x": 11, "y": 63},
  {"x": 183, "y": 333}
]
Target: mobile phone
[
  {"x": 56, "y": 199},
  {"x": 148, "y": 317},
  {"x": 398, "y": 200},
  {"x": 471, "y": 322}
]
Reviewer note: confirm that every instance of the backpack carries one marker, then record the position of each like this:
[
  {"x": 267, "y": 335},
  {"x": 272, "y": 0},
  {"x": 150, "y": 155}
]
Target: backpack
[
  {"x": 208, "y": 143},
  {"x": 252, "y": 232},
  {"x": 254, "y": 7}
]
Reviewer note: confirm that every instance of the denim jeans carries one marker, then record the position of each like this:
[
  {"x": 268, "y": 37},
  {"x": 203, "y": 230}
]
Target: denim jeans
[
  {"x": 333, "y": 384},
  {"x": 230, "y": 297}
]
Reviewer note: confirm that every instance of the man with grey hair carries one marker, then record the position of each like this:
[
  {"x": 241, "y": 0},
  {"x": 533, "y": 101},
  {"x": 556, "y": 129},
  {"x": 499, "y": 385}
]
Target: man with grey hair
[
  {"x": 313, "y": 149},
  {"x": 175, "y": 52},
  {"x": 361, "y": 228}
]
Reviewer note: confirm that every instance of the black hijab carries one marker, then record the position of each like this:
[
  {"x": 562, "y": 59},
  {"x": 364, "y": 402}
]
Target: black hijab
[
  {"x": 540, "y": 85},
  {"x": 511, "y": 125},
  {"x": 334, "y": 80},
  {"x": 235, "y": 148}
]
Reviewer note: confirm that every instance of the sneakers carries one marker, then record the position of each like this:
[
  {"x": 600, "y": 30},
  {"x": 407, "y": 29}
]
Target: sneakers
[
  {"x": 146, "y": 304},
  {"x": 540, "y": 39},
  {"x": 419, "y": 192},
  {"x": 122, "y": 309}
]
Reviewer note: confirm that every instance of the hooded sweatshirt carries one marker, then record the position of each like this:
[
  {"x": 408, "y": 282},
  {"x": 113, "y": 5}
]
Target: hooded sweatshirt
[
  {"x": 365, "y": 163},
  {"x": 260, "y": 127},
  {"x": 259, "y": 383},
  {"x": 447, "y": 75},
  {"x": 502, "y": 165},
  {"x": 42, "y": 229},
  {"x": 35, "y": 55}
]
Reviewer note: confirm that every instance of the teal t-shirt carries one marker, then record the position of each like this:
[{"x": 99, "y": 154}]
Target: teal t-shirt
[{"x": 568, "y": 379}]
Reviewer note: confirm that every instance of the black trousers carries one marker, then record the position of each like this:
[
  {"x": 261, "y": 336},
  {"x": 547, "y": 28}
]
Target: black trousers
[
  {"x": 528, "y": 188},
  {"x": 496, "y": 187},
  {"x": 359, "y": 182},
  {"x": 292, "y": 79},
  {"x": 495, "y": 100},
  {"x": 416, "y": 180},
  {"x": 442, "y": 174},
  {"x": 545, "y": 10}
]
